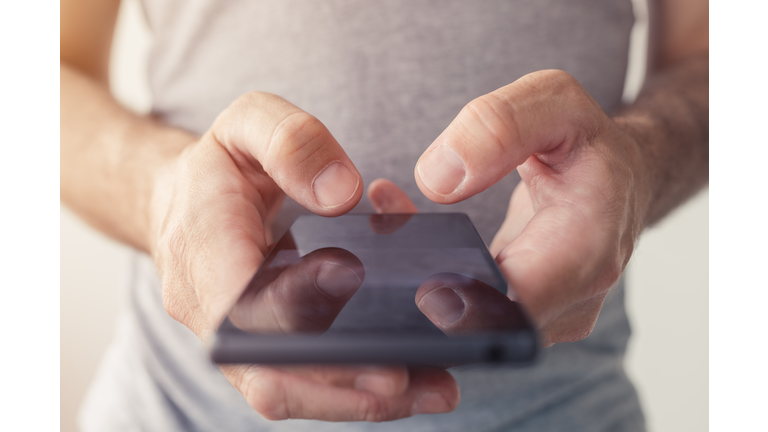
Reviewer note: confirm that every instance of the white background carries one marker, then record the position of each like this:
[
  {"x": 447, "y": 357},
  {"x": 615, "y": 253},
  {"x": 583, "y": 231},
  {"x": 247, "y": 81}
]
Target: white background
[{"x": 667, "y": 286}]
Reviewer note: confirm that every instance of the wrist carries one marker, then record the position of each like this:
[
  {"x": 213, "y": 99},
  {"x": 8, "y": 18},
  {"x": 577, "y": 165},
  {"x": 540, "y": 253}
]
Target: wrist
[{"x": 635, "y": 133}]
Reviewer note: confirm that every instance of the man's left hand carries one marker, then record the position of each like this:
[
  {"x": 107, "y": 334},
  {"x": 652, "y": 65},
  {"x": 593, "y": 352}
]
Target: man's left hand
[{"x": 572, "y": 223}]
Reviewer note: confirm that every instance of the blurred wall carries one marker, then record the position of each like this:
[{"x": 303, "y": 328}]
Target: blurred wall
[{"x": 667, "y": 296}]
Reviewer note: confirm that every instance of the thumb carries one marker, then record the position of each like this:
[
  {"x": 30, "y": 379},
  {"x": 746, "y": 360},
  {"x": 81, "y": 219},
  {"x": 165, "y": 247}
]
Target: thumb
[{"x": 546, "y": 113}]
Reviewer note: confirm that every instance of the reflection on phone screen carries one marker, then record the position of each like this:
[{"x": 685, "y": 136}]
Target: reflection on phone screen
[{"x": 378, "y": 274}]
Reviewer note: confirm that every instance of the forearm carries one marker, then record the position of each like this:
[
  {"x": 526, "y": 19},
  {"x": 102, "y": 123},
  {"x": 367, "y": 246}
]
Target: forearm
[
  {"x": 111, "y": 159},
  {"x": 670, "y": 122}
]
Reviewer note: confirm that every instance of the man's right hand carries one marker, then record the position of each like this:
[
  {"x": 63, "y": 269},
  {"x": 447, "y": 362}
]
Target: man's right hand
[{"x": 210, "y": 216}]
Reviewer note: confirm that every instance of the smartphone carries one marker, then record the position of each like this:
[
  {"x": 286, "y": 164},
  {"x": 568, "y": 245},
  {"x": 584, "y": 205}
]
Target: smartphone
[{"x": 413, "y": 289}]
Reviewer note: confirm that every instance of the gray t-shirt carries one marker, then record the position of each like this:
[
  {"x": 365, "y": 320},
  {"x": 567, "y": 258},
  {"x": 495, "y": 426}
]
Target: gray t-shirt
[{"x": 385, "y": 78}]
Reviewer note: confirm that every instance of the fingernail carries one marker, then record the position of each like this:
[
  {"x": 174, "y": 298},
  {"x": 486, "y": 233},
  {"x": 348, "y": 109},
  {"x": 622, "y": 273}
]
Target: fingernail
[
  {"x": 380, "y": 200},
  {"x": 431, "y": 403},
  {"x": 441, "y": 170},
  {"x": 442, "y": 305},
  {"x": 336, "y": 280},
  {"x": 375, "y": 384},
  {"x": 335, "y": 185}
]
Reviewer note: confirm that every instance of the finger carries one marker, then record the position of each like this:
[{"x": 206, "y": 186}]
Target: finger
[
  {"x": 223, "y": 212},
  {"x": 562, "y": 269},
  {"x": 519, "y": 212},
  {"x": 304, "y": 297},
  {"x": 458, "y": 304},
  {"x": 387, "y": 197},
  {"x": 278, "y": 394},
  {"x": 381, "y": 380},
  {"x": 388, "y": 223},
  {"x": 547, "y": 113},
  {"x": 294, "y": 148}
]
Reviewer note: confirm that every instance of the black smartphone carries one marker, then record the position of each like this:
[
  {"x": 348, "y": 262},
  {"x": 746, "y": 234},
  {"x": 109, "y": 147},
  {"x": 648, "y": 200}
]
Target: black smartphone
[{"x": 414, "y": 289}]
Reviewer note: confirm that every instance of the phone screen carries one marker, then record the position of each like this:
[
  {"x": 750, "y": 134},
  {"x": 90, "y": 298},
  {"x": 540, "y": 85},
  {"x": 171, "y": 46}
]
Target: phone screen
[{"x": 369, "y": 276}]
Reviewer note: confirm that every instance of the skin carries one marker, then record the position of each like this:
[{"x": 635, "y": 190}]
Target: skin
[{"x": 202, "y": 206}]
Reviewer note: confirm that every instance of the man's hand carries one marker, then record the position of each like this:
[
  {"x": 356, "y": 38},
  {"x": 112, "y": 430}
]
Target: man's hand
[
  {"x": 573, "y": 221},
  {"x": 211, "y": 212},
  {"x": 213, "y": 207},
  {"x": 590, "y": 183}
]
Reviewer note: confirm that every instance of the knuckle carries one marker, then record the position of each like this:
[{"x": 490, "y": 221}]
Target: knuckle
[
  {"x": 250, "y": 99},
  {"x": 616, "y": 268},
  {"x": 295, "y": 130},
  {"x": 236, "y": 110},
  {"x": 266, "y": 396},
  {"x": 558, "y": 80},
  {"x": 175, "y": 244},
  {"x": 179, "y": 306},
  {"x": 609, "y": 272},
  {"x": 579, "y": 333},
  {"x": 171, "y": 254},
  {"x": 269, "y": 409},
  {"x": 371, "y": 409},
  {"x": 588, "y": 116},
  {"x": 177, "y": 295},
  {"x": 613, "y": 271},
  {"x": 171, "y": 304},
  {"x": 495, "y": 116},
  {"x": 561, "y": 77},
  {"x": 586, "y": 113},
  {"x": 229, "y": 123},
  {"x": 550, "y": 78},
  {"x": 296, "y": 138},
  {"x": 578, "y": 321},
  {"x": 574, "y": 333}
]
